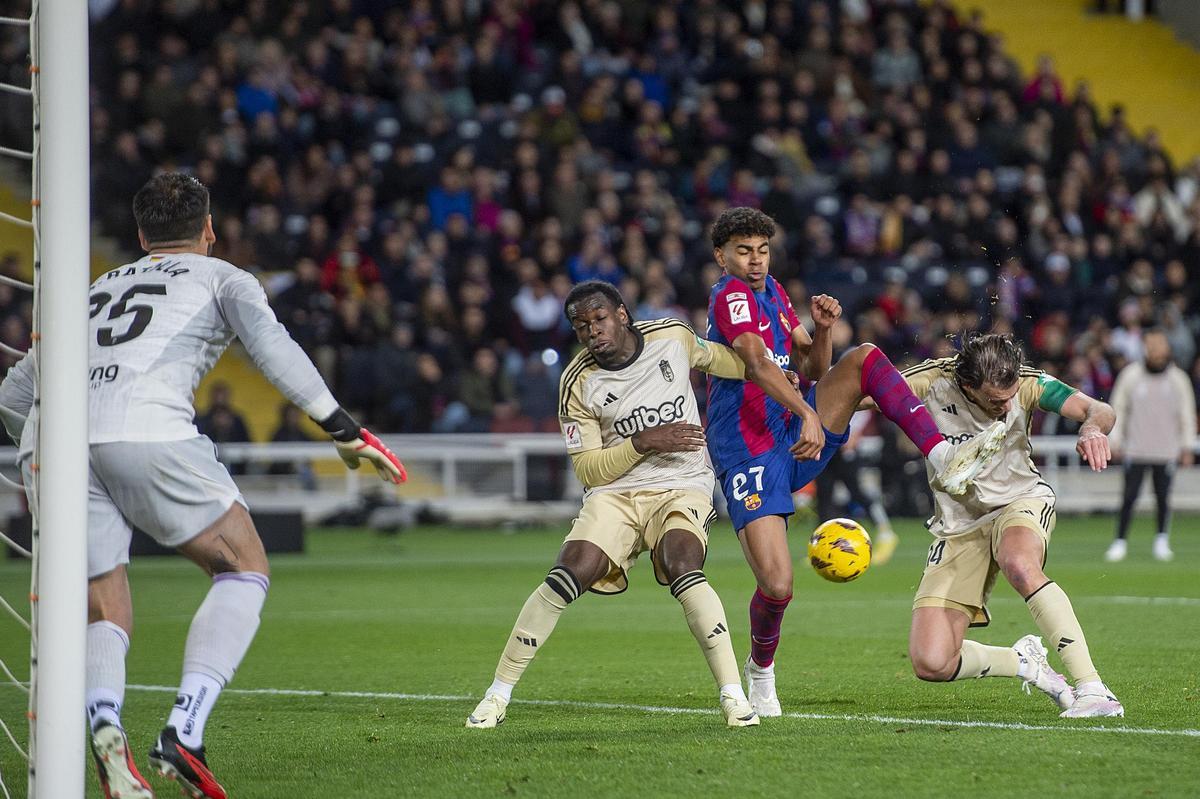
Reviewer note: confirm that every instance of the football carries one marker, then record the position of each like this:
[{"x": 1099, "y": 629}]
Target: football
[{"x": 840, "y": 550}]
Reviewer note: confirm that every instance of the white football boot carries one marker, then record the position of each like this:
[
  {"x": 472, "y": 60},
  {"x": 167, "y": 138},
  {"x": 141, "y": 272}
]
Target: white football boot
[
  {"x": 1040, "y": 675},
  {"x": 489, "y": 713},
  {"x": 1116, "y": 550},
  {"x": 760, "y": 683},
  {"x": 968, "y": 459},
  {"x": 1162, "y": 548},
  {"x": 737, "y": 711},
  {"x": 119, "y": 777},
  {"x": 1092, "y": 700}
]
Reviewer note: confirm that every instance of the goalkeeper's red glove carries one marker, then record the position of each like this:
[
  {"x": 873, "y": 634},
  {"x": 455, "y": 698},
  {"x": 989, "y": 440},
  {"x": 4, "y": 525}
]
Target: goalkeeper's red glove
[{"x": 355, "y": 443}]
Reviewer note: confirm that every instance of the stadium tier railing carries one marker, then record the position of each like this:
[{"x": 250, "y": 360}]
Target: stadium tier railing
[{"x": 527, "y": 477}]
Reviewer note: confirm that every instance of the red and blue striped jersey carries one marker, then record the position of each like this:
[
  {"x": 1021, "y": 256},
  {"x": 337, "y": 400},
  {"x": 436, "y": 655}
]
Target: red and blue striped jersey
[{"x": 743, "y": 422}]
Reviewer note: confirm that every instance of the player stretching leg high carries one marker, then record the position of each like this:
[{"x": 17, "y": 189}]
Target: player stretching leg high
[
  {"x": 157, "y": 326},
  {"x": 768, "y": 441},
  {"x": 1002, "y": 524},
  {"x": 633, "y": 432}
]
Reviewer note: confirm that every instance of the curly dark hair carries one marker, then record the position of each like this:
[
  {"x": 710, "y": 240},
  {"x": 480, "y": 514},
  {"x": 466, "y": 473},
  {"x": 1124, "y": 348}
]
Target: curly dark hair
[
  {"x": 989, "y": 358},
  {"x": 738, "y": 222},
  {"x": 171, "y": 208}
]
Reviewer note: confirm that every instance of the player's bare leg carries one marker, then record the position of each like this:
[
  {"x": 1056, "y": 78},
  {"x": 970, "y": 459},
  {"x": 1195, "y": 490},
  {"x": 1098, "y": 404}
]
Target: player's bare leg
[
  {"x": 939, "y": 652},
  {"x": 866, "y": 372},
  {"x": 935, "y": 643},
  {"x": 1020, "y": 556},
  {"x": 110, "y": 623},
  {"x": 231, "y": 552},
  {"x": 680, "y": 556},
  {"x": 764, "y": 543},
  {"x": 580, "y": 564}
]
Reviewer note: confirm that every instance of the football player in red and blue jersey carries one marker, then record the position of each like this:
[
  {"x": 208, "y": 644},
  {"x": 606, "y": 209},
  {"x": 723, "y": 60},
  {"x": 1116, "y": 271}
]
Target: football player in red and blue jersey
[{"x": 767, "y": 440}]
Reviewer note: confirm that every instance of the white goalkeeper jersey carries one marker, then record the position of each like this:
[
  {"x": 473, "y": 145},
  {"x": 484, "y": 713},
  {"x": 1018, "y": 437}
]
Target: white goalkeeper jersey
[{"x": 158, "y": 325}]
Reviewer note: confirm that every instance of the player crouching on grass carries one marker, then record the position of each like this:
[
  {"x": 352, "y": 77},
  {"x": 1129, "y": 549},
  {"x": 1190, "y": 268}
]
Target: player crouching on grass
[
  {"x": 1002, "y": 524},
  {"x": 633, "y": 432},
  {"x": 157, "y": 326}
]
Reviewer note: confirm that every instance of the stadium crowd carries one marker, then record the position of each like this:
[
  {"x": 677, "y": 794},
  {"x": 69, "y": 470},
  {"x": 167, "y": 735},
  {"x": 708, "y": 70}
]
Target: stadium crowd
[{"x": 419, "y": 184}]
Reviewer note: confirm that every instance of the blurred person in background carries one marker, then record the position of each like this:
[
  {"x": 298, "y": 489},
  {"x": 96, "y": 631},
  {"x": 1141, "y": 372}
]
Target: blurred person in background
[
  {"x": 845, "y": 467},
  {"x": 289, "y": 429},
  {"x": 1156, "y": 430}
]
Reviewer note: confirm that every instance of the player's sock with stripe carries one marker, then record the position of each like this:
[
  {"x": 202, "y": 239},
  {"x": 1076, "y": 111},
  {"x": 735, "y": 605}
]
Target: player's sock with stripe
[
  {"x": 107, "y": 645},
  {"x": 1054, "y": 616},
  {"x": 534, "y": 624},
  {"x": 979, "y": 660},
  {"x": 218, "y": 639},
  {"x": 766, "y": 618},
  {"x": 881, "y": 382},
  {"x": 706, "y": 619}
]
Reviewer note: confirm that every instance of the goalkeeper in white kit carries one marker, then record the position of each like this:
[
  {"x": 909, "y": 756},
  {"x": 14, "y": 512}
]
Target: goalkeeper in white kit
[{"x": 157, "y": 327}]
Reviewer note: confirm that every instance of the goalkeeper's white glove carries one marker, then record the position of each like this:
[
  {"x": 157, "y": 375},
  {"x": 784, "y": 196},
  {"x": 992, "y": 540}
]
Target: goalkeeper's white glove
[{"x": 355, "y": 444}]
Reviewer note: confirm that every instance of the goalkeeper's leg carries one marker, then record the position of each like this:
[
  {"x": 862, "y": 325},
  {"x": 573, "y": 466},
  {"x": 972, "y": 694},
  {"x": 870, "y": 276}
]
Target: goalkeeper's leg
[
  {"x": 226, "y": 621},
  {"x": 110, "y": 617},
  {"x": 580, "y": 564}
]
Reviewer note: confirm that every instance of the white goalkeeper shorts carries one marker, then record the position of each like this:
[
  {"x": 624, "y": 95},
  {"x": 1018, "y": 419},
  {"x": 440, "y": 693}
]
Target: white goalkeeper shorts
[{"x": 170, "y": 490}]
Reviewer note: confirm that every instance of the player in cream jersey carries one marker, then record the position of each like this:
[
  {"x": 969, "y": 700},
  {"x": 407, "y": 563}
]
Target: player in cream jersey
[
  {"x": 603, "y": 407},
  {"x": 157, "y": 326},
  {"x": 1002, "y": 524},
  {"x": 1011, "y": 474},
  {"x": 632, "y": 429}
]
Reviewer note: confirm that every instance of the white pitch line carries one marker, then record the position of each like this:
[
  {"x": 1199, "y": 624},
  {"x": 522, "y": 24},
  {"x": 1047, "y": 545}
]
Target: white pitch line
[
  {"x": 991, "y": 725},
  {"x": 1150, "y": 600}
]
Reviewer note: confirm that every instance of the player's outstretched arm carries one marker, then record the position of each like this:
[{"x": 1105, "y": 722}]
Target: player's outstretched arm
[
  {"x": 244, "y": 305},
  {"x": 1096, "y": 420},
  {"x": 17, "y": 396},
  {"x": 716, "y": 359},
  {"x": 812, "y": 356},
  {"x": 766, "y": 374},
  {"x": 356, "y": 444}
]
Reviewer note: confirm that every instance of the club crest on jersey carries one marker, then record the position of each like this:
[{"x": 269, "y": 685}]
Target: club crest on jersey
[
  {"x": 753, "y": 502},
  {"x": 667, "y": 372}
]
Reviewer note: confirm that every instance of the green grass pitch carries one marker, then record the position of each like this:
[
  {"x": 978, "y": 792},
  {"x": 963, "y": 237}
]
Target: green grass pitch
[{"x": 398, "y": 636}]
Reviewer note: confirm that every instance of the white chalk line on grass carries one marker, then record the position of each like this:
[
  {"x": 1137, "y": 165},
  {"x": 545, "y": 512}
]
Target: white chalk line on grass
[
  {"x": 1150, "y": 600},
  {"x": 395, "y": 611},
  {"x": 990, "y": 725}
]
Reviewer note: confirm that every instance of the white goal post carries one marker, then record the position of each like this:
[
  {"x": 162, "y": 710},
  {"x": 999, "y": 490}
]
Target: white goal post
[{"x": 62, "y": 188}]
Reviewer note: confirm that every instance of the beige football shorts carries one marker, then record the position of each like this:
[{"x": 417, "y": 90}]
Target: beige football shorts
[
  {"x": 624, "y": 524},
  {"x": 961, "y": 569}
]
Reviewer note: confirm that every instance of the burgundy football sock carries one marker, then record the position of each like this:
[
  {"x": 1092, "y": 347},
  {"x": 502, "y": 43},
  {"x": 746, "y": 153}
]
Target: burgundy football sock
[
  {"x": 881, "y": 382},
  {"x": 766, "y": 617}
]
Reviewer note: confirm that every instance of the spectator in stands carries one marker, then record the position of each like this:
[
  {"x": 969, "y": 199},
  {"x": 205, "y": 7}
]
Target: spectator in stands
[
  {"x": 1156, "y": 430},
  {"x": 222, "y": 423},
  {"x": 349, "y": 269},
  {"x": 289, "y": 429},
  {"x": 537, "y": 390},
  {"x": 484, "y": 387}
]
